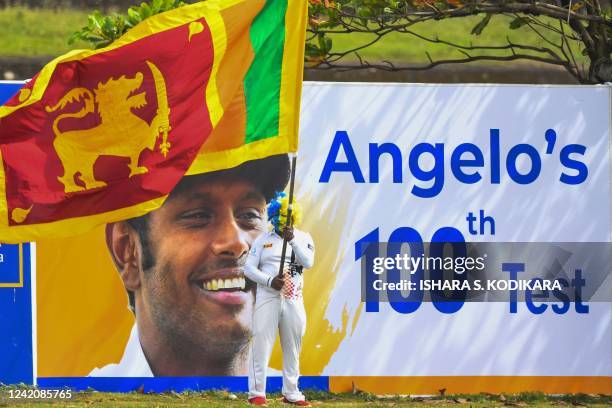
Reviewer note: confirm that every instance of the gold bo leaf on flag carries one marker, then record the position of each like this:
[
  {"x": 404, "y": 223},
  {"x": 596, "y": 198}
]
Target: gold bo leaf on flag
[{"x": 103, "y": 135}]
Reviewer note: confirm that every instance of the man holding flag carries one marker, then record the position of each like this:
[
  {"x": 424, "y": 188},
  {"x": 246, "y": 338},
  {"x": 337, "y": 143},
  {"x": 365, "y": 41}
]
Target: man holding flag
[
  {"x": 279, "y": 304},
  {"x": 106, "y": 135}
]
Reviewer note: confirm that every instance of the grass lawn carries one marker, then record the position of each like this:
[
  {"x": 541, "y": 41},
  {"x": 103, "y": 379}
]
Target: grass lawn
[
  {"x": 225, "y": 399},
  {"x": 42, "y": 32}
]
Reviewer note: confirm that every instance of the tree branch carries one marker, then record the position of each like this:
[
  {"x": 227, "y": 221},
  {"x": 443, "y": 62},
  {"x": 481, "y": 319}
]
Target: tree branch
[
  {"x": 575, "y": 71},
  {"x": 335, "y": 56},
  {"x": 432, "y": 64}
]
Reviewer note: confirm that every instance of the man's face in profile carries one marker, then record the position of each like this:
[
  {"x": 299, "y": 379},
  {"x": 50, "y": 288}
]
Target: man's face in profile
[{"x": 197, "y": 241}]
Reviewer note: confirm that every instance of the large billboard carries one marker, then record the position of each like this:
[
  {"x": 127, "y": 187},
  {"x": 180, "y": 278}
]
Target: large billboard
[{"x": 380, "y": 163}]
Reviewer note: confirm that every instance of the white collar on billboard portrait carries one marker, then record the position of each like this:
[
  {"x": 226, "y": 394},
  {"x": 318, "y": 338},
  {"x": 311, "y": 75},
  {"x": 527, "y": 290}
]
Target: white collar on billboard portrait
[{"x": 132, "y": 364}]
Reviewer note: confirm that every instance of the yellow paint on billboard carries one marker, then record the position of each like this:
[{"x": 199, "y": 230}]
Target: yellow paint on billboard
[
  {"x": 356, "y": 317},
  {"x": 82, "y": 308},
  {"x": 321, "y": 339}
]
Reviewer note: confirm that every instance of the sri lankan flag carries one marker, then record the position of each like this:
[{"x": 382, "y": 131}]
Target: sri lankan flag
[{"x": 103, "y": 135}]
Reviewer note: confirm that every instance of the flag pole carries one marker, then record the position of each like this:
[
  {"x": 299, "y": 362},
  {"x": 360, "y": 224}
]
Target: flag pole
[{"x": 289, "y": 210}]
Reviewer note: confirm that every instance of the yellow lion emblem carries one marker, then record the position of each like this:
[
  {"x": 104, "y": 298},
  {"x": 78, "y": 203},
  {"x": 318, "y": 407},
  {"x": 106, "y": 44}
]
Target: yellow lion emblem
[{"x": 120, "y": 133}]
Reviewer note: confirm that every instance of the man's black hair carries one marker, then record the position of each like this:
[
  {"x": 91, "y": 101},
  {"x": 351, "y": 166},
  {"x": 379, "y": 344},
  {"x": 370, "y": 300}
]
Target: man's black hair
[{"x": 269, "y": 175}]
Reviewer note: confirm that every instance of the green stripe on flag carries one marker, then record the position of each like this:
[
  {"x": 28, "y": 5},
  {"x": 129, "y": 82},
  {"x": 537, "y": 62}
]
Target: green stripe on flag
[{"x": 263, "y": 80}]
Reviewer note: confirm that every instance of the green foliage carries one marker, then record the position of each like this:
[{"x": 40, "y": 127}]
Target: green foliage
[
  {"x": 102, "y": 30},
  {"x": 316, "y": 50}
]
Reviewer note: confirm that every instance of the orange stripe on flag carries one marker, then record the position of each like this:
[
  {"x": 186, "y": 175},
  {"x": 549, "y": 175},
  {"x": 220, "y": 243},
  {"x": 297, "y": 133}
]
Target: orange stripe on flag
[{"x": 230, "y": 132}]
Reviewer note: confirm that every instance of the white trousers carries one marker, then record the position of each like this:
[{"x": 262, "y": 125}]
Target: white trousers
[{"x": 289, "y": 318}]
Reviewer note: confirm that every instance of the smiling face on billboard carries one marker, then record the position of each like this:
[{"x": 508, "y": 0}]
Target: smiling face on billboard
[{"x": 184, "y": 264}]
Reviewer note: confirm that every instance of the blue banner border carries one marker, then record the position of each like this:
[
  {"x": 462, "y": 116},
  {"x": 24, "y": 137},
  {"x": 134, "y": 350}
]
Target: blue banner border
[{"x": 178, "y": 384}]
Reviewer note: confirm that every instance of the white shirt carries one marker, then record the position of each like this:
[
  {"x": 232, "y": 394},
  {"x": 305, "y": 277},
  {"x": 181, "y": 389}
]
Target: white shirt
[
  {"x": 264, "y": 259},
  {"x": 132, "y": 364}
]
